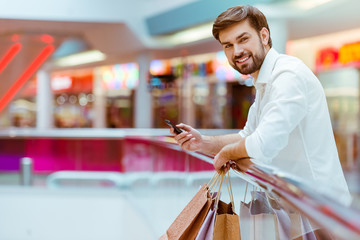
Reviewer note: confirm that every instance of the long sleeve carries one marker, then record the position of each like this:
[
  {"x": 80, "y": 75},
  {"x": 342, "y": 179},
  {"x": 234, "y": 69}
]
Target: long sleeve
[{"x": 285, "y": 108}]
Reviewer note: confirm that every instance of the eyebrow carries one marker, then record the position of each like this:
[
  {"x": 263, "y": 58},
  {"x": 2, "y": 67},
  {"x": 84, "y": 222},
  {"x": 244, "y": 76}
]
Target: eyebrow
[{"x": 237, "y": 38}]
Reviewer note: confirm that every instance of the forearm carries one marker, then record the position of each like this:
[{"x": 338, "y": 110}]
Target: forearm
[
  {"x": 211, "y": 145},
  {"x": 236, "y": 150},
  {"x": 233, "y": 151}
]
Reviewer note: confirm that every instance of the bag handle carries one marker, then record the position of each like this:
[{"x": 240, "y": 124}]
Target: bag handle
[
  {"x": 220, "y": 184},
  {"x": 228, "y": 184},
  {"x": 246, "y": 186},
  {"x": 213, "y": 184},
  {"x": 213, "y": 181}
]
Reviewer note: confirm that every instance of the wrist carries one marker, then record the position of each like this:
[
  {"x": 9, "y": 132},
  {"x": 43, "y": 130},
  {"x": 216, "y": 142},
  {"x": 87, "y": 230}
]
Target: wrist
[{"x": 205, "y": 140}]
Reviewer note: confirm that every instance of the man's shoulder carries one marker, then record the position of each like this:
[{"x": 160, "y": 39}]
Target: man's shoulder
[
  {"x": 287, "y": 63},
  {"x": 287, "y": 59}
]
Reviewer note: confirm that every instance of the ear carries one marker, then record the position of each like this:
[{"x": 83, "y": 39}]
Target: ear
[{"x": 264, "y": 35}]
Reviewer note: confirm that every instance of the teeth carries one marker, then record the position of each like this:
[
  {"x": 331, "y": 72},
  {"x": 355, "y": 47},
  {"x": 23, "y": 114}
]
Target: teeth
[{"x": 243, "y": 60}]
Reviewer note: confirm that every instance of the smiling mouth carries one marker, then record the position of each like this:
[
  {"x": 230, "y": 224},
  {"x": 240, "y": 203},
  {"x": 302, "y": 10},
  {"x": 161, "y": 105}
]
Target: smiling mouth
[{"x": 242, "y": 60}]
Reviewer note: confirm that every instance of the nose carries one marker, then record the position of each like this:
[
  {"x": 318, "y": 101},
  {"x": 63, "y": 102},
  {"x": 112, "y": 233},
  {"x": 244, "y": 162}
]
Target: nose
[{"x": 238, "y": 50}]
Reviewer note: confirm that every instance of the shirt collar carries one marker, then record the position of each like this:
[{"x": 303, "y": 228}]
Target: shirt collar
[{"x": 266, "y": 68}]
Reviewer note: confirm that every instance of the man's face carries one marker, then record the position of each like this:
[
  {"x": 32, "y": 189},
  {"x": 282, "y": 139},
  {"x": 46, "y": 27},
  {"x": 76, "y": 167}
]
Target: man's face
[{"x": 244, "y": 47}]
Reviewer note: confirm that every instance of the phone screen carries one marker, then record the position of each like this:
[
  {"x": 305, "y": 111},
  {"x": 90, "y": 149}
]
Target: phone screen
[{"x": 176, "y": 129}]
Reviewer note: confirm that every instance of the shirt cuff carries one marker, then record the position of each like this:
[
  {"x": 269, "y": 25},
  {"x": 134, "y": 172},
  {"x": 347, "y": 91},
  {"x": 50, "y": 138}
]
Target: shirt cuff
[
  {"x": 242, "y": 134},
  {"x": 253, "y": 148}
]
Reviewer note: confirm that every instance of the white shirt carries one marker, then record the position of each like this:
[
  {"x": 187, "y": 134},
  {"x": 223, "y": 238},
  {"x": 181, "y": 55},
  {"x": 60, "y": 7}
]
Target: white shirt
[{"x": 289, "y": 126}]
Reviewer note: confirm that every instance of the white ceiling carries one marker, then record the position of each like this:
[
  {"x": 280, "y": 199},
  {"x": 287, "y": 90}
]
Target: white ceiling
[{"x": 117, "y": 27}]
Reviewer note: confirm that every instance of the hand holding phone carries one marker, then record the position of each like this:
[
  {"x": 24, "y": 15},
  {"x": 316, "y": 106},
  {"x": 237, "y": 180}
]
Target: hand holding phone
[{"x": 176, "y": 129}]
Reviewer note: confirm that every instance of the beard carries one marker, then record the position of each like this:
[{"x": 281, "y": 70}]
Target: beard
[{"x": 249, "y": 68}]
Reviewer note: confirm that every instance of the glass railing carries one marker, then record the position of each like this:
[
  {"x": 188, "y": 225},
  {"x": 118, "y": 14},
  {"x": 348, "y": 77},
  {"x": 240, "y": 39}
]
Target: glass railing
[
  {"x": 328, "y": 218},
  {"x": 324, "y": 214}
]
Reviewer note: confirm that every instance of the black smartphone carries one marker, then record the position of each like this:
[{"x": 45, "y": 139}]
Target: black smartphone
[{"x": 176, "y": 129}]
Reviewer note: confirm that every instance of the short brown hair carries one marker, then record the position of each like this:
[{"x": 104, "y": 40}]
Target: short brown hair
[{"x": 238, "y": 14}]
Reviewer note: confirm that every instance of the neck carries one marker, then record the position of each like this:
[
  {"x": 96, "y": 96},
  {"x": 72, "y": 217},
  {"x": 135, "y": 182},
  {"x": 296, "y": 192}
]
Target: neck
[{"x": 255, "y": 75}]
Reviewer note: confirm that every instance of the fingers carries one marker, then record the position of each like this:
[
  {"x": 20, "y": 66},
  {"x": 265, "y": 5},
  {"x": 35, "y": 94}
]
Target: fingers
[
  {"x": 224, "y": 169},
  {"x": 183, "y": 126},
  {"x": 187, "y": 128},
  {"x": 220, "y": 164},
  {"x": 184, "y": 139},
  {"x": 235, "y": 167},
  {"x": 172, "y": 131}
]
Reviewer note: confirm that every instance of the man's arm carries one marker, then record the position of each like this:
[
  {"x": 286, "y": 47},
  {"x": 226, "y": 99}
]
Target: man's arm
[
  {"x": 233, "y": 151},
  {"x": 212, "y": 145},
  {"x": 192, "y": 140}
]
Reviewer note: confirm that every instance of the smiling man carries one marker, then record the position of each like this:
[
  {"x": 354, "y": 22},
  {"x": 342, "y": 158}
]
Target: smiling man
[{"x": 288, "y": 125}]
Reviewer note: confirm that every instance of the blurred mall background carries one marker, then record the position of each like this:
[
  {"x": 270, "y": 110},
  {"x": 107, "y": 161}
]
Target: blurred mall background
[{"x": 86, "y": 86}]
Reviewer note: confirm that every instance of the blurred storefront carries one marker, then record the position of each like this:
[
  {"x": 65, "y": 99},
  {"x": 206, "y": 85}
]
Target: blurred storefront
[
  {"x": 200, "y": 90},
  {"x": 73, "y": 98},
  {"x": 22, "y": 111},
  {"x": 117, "y": 84},
  {"x": 80, "y": 96},
  {"x": 335, "y": 59}
]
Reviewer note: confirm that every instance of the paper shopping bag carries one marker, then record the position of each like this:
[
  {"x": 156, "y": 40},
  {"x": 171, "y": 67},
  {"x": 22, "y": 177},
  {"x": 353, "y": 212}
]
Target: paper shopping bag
[
  {"x": 226, "y": 220},
  {"x": 301, "y": 228},
  {"x": 260, "y": 219},
  {"x": 226, "y": 223},
  {"x": 188, "y": 223},
  {"x": 207, "y": 228},
  {"x": 256, "y": 227}
]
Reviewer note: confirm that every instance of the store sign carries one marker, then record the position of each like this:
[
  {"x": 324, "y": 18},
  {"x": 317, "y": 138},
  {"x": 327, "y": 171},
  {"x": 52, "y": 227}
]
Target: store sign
[
  {"x": 120, "y": 76},
  {"x": 327, "y": 57},
  {"x": 348, "y": 54},
  {"x": 61, "y": 83}
]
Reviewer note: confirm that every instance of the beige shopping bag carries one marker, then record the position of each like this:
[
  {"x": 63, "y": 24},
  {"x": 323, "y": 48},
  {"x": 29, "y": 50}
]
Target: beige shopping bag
[
  {"x": 188, "y": 223},
  {"x": 226, "y": 220},
  {"x": 226, "y": 223}
]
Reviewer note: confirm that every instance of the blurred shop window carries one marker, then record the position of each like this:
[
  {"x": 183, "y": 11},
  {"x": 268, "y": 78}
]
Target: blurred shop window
[
  {"x": 201, "y": 90},
  {"x": 165, "y": 93},
  {"x": 74, "y": 110},
  {"x": 342, "y": 93},
  {"x": 73, "y": 98},
  {"x": 338, "y": 70},
  {"x": 165, "y": 97},
  {"x": 119, "y": 111},
  {"x": 21, "y": 111},
  {"x": 118, "y": 84}
]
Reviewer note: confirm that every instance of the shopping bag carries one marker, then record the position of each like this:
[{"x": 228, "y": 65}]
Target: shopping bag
[
  {"x": 226, "y": 220},
  {"x": 207, "y": 228},
  {"x": 301, "y": 228},
  {"x": 226, "y": 223},
  {"x": 188, "y": 222},
  {"x": 259, "y": 219},
  {"x": 290, "y": 224}
]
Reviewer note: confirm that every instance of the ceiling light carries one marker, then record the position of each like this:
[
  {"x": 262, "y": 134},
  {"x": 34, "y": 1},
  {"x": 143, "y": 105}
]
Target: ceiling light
[
  {"x": 189, "y": 35},
  {"x": 80, "y": 58},
  {"x": 309, "y": 4}
]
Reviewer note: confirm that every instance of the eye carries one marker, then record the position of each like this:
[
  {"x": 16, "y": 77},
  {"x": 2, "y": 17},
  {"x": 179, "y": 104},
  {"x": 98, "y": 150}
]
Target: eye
[
  {"x": 227, "y": 45},
  {"x": 244, "y": 39}
]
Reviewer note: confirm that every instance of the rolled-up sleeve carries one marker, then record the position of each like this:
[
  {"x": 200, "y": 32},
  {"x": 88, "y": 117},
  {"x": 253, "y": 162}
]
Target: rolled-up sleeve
[{"x": 285, "y": 108}]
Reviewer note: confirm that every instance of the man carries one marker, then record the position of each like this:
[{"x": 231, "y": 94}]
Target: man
[{"x": 288, "y": 125}]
